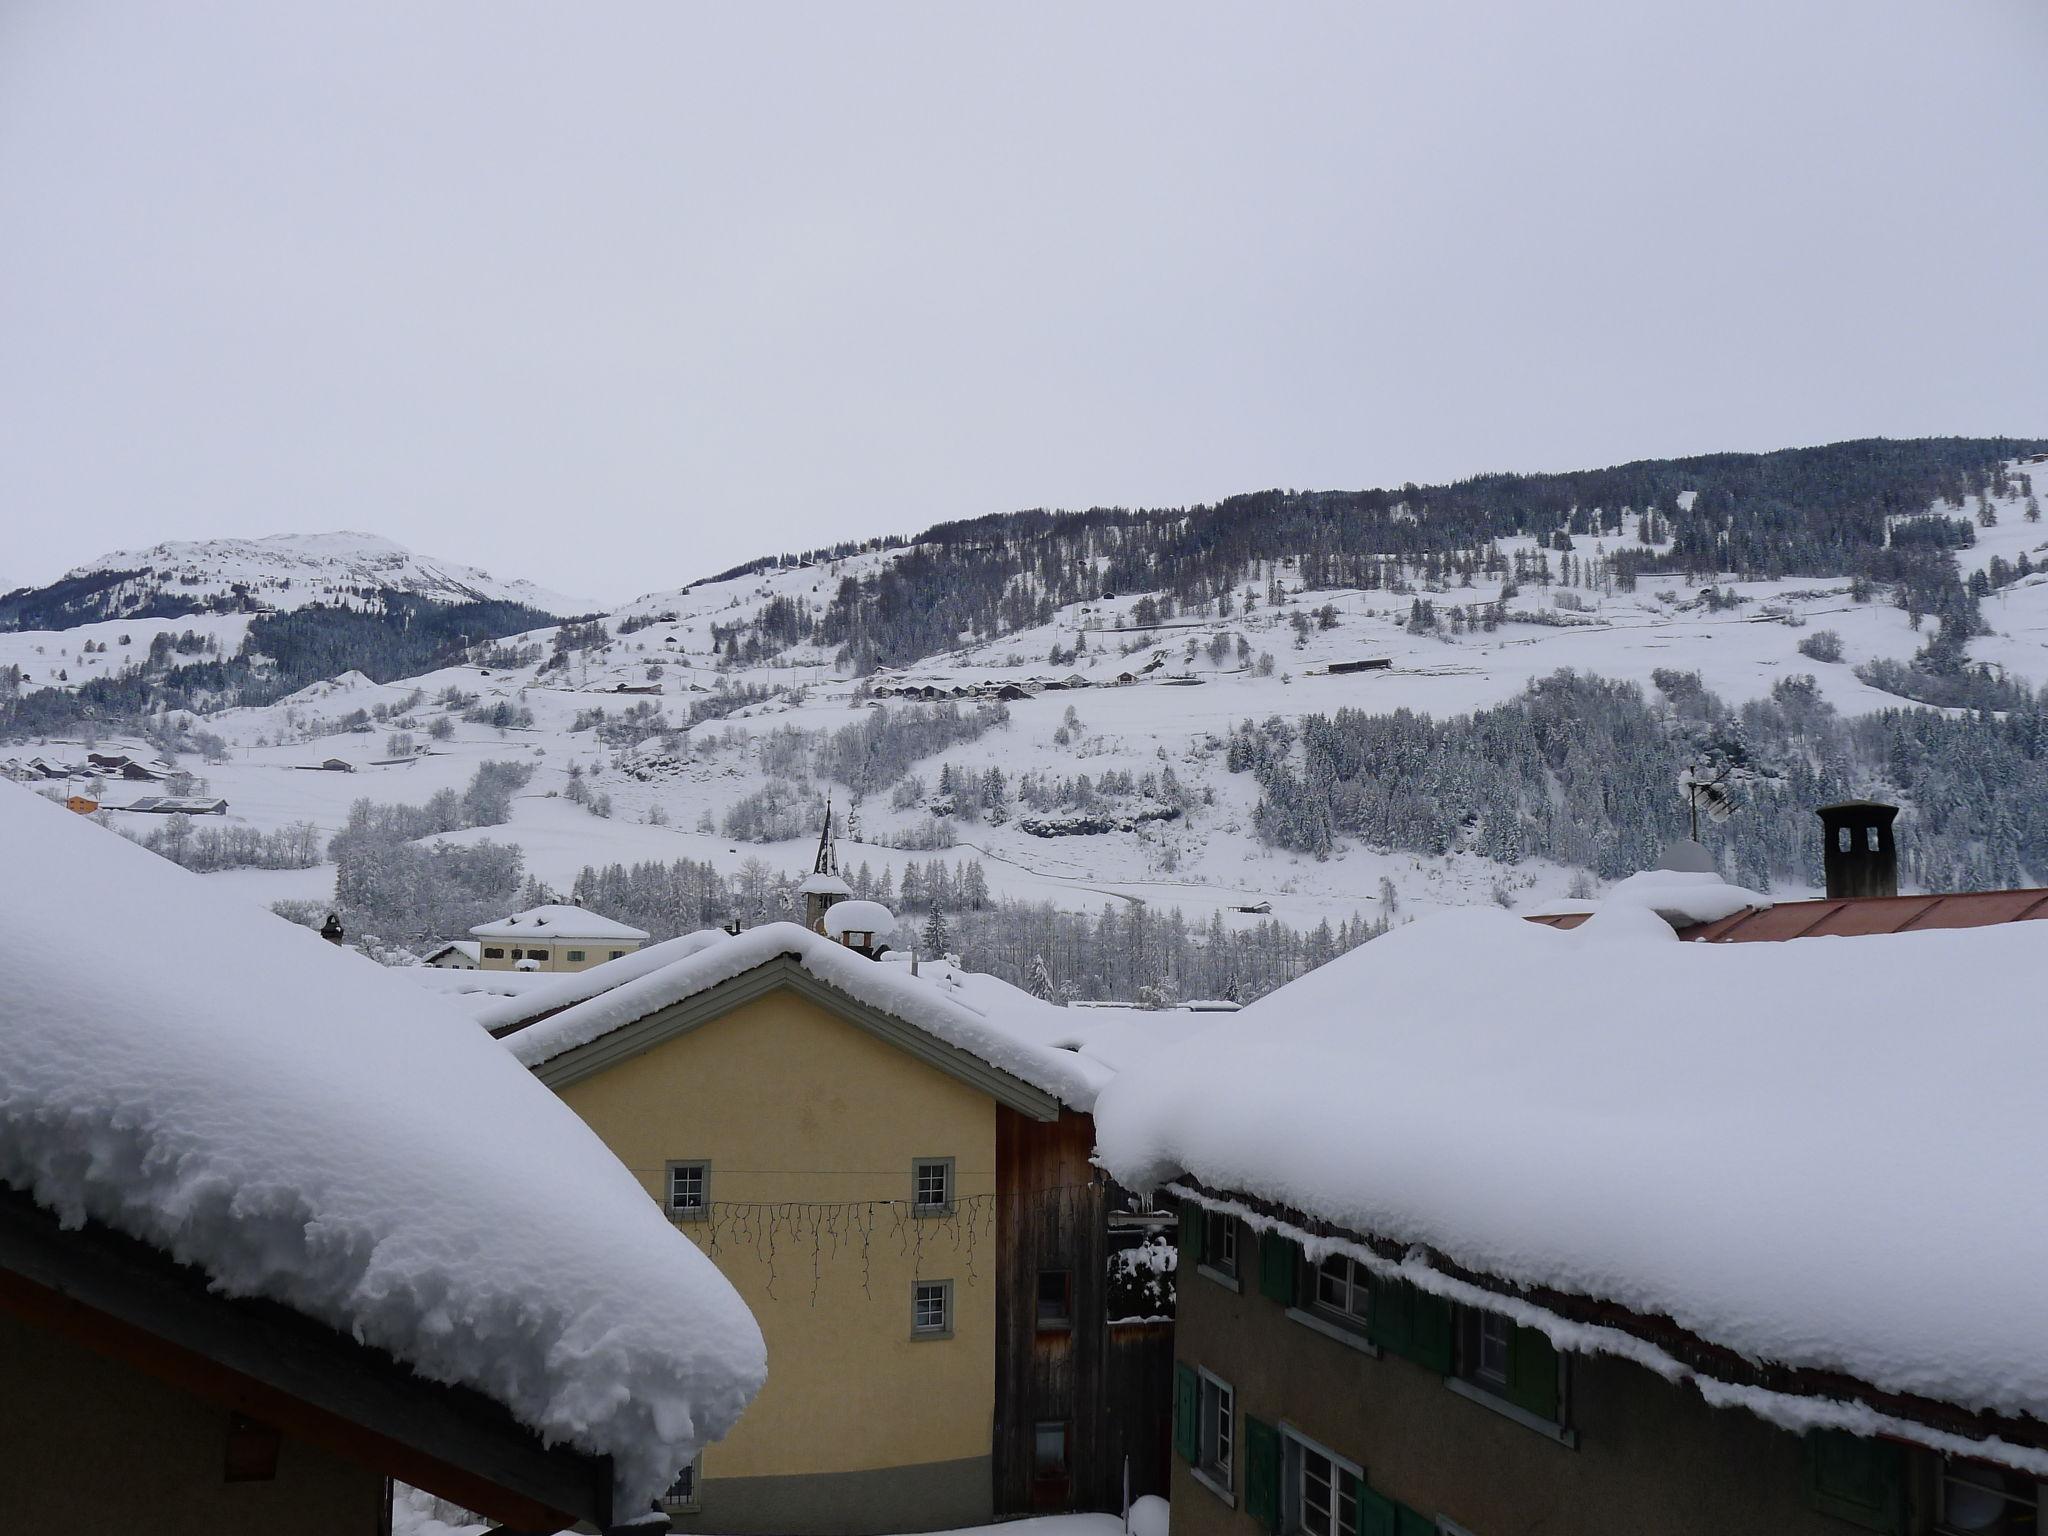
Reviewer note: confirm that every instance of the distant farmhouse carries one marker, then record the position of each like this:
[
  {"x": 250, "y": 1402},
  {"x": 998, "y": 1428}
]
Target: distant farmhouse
[
  {"x": 553, "y": 938},
  {"x": 175, "y": 805}
]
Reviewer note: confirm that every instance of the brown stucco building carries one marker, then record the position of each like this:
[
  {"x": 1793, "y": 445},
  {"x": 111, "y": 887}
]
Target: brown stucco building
[{"x": 1312, "y": 1399}]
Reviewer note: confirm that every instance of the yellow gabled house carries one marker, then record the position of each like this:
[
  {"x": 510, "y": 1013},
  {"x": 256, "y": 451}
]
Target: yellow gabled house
[{"x": 869, "y": 1155}]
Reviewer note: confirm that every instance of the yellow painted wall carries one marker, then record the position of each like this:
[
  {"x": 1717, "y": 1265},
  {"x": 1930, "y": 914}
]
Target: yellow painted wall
[
  {"x": 789, "y": 1102},
  {"x": 595, "y": 952}
]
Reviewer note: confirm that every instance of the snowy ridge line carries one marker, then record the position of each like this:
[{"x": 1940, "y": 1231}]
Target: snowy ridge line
[{"x": 1787, "y": 1410}]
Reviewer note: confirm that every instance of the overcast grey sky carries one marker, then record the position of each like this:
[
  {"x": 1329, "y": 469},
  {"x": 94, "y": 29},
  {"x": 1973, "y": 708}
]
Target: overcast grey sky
[{"x": 611, "y": 297}]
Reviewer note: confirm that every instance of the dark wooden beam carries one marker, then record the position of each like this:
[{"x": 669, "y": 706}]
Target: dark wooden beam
[{"x": 126, "y": 1300}]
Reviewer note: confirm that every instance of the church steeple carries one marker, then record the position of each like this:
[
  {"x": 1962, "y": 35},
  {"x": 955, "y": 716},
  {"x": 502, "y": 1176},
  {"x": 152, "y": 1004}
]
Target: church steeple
[
  {"x": 823, "y": 886},
  {"x": 828, "y": 853}
]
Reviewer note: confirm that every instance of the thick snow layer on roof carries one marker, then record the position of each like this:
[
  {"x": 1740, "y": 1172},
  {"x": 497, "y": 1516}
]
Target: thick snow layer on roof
[
  {"x": 553, "y": 993},
  {"x": 1823, "y": 1153},
  {"x": 557, "y": 922},
  {"x": 859, "y": 917},
  {"x": 821, "y": 884},
  {"x": 1032, "y": 1040},
  {"x": 1681, "y": 898},
  {"x": 303, "y": 1126}
]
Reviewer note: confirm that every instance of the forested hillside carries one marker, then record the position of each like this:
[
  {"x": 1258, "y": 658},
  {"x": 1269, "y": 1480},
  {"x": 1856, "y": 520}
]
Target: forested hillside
[
  {"x": 1821, "y": 511},
  {"x": 1585, "y": 771}
]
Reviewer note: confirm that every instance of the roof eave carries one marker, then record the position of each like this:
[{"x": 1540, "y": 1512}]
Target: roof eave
[{"x": 786, "y": 971}]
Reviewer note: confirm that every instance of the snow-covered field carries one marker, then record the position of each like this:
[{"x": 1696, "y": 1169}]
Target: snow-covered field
[{"x": 1208, "y": 862}]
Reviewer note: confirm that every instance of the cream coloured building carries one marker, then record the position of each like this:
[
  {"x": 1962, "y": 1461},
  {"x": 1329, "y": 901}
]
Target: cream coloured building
[
  {"x": 845, "y": 1138},
  {"x": 553, "y": 938}
]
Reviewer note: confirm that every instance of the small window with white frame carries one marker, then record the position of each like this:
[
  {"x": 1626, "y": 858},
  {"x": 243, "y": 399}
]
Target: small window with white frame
[
  {"x": 1484, "y": 1349},
  {"x": 1218, "y": 1438},
  {"x": 931, "y": 1309},
  {"x": 1219, "y": 1242},
  {"x": 689, "y": 1191},
  {"x": 1321, "y": 1490},
  {"x": 931, "y": 1186},
  {"x": 1343, "y": 1290},
  {"x": 1975, "y": 1498}
]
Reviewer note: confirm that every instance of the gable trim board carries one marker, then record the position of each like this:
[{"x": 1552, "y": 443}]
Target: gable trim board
[{"x": 785, "y": 972}]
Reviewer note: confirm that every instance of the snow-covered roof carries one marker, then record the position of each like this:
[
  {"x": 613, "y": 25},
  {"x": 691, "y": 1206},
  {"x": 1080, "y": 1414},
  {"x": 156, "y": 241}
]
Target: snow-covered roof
[
  {"x": 844, "y": 917},
  {"x": 1682, "y": 898},
  {"x": 552, "y": 993},
  {"x": 557, "y": 921},
  {"x": 303, "y": 1126},
  {"x": 1004, "y": 1026},
  {"x": 822, "y": 884},
  {"x": 1822, "y": 1154},
  {"x": 469, "y": 949}
]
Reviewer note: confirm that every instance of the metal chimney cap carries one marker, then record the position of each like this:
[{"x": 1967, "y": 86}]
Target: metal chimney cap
[{"x": 1847, "y": 807}]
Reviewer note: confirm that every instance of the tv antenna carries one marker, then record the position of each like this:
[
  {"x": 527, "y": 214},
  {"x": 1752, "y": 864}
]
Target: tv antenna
[{"x": 1710, "y": 792}]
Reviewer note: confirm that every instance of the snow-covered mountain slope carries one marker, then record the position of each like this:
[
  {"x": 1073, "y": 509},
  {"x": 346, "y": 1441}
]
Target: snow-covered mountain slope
[
  {"x": 683, "y": 777},
  {"x": 279, "y": 573}
]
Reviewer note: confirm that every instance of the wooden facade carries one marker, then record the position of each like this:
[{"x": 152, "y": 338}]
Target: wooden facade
[{"x": 1076, "y": 1400}]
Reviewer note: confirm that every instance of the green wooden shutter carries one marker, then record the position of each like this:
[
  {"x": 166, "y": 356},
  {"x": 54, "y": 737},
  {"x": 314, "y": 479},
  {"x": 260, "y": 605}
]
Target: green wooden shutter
[
  {"x": 1187, "y": 1428},
  {"x": 1279, "y": 1260},
  {"x": 1409, "y": 1523},
  {"x": 1390, "y": 1320},
  {"x": 1190, "y": 1235},
  {"x": 1430, "y": 1344},
  {"x": 1262, "y": 1473},
  {"x": 1409, "y": 1322},
  {"x": 1857, "y": 1479},
  {"x": 1532, "y": 1373},
  {"x": 1377, "y": 1514}
]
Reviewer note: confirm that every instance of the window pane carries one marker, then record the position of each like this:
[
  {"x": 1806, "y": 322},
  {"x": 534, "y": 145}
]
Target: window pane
[
  {"x": 1054, "y": 1290},
  {"x": 1495, "y": 1334},
  {"x": 1049, "y": 1449},
  {"x": 1318, "y": 1503}
]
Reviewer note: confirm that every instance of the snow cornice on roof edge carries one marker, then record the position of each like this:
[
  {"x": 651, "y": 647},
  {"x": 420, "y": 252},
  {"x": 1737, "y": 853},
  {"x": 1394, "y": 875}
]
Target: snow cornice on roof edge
[
  {"x": 1794, "y": 1398},
  {"x": 913, "y": 1012},
  {"x": 786, "y": 972}
]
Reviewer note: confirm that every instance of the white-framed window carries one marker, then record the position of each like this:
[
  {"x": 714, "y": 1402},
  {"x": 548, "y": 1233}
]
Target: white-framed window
[
  {"x": 931, "y": 1186},
  {"x": 494, "y": 953},
  {"x": 1321, "y": 1489},
  {"x": 1342, "y": 1289},
  {"x": 1218, "y": 1437},
  {"x": 689, "y": 1191},
  {"x": 1974, "y": 1498},
  {"x": 931, "y": 1309},
  {"x": 1219, "y": 1242},
  {"x": 615, "y": 954},
  {"x": 686, "y": 1492},
  {"x": 574, "y": 954}
]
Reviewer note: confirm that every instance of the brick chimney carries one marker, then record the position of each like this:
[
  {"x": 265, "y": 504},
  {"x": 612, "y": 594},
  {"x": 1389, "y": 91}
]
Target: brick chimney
[{"x": 1858, "y": 850}]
